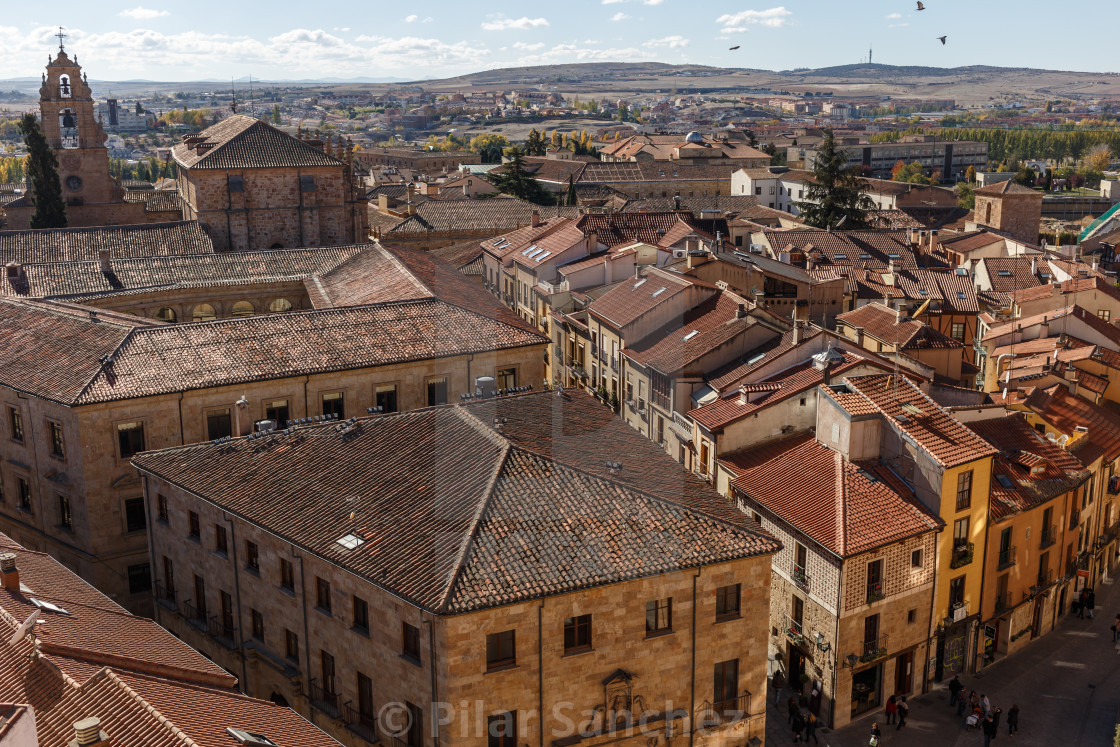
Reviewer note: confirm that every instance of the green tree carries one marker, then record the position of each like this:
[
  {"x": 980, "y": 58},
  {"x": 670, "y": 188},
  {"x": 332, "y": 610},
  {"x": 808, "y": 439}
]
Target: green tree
[
  {"x": 912, "y": 173},
  {"x": 1025, "y": 176},
  {"x": 42, "y": 172},
  {"x": 534, "y": 146},
  {"x": 276, "y": 114},
  {"x": 489, "y": 146},
  {"x": 513, "y": 179},
  {"x": 571, "y": 198},
  {"x": 966, "y": 196},
  {"x": 836, "y": 195},
  {"x": 751, "y": 139},
  {"x": 970, "y": 174},
  {"x": 139, "y": 108}
]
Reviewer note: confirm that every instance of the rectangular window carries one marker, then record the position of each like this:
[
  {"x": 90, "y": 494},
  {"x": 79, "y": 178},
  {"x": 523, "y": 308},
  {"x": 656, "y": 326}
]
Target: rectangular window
[
  {"x": 956, "y": 330},
  {"x": 277, "y": 411},
  {"x": 334, "y": 403},
  {"x": 306, "y": 183},
  {"x": 659, "y": 616},
  {"x": 501, "y": 730},
  {"x": 501, "y": 649},
  {"x": 323, "y": 594},
  {"x": 24, "y": 488},
  {"x": 410, "y": 642},
  {"x": 161, "y": 507},
  {"x": 139, "y": 578},
  {"x": 871, "y": 634},
  {"x": 200, "y": 597},
  {"x": 326, "y": 668},
  {"x": 361, "y": 614},
  {"x": 386, "y": 395},
  {"x": 236, "y": 183},
  {"x": 874, "y": 580},
  {"x": 287, "y": 577},
  {"x": 58, "y": 444},
  {"x": 960, "y": 532},
  {"x": 365, "y": 697},
  {"x": 226, "y": 602},
  {"x": 916, "y": 558},
  {"x": 414, "y": 737},
  {"x": 437, "y": 391},
  {"x": 726, "y": 687},
  {"x": 218, "y": 424},
  {"x": 1104, "y": 315},
  {"x": 256, "y": 620},
  {"x": 577, "y": 634},
  {"x": 134, "y": 519},
  {"x": 65, "y": 517},
  {"x": 15, "y": 419},
  {"x": 221, "y": 543},
  {"x": 964, "y": 490},
  {"x": 192, "y": 523},
  {"x": 758, "y": 190},
  {"x": 168, "y": 579},
  {"x": 727, "y": 602},
  {"x": 956, "y": 592},
  {"x": 291, "y": 644},
  {"x": 507, "y": 378},
  {"x": 252, "y": 556},
  {"x": 130, "y": 438}
]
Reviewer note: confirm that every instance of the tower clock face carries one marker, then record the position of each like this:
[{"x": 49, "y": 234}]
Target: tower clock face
[{"x": 74, "y": 183}]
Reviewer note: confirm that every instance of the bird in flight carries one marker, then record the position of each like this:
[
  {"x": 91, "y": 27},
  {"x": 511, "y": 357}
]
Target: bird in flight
[
  {"x": 734, "y": 48},
  {"x": 920, "y": 6},
  {"x": 942, "y": 38}
]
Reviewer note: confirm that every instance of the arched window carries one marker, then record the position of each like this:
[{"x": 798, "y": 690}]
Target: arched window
[
  {"x": 280, "y": 305},
  {"x": 204, "y": 312},
  {"x": 167, "y": 314},
  {"x": 64, "y": 89},
  {"x": 988, "y": 213},
  {"x": 243, "y": 308},
  {"x": 278, "y": 699}
]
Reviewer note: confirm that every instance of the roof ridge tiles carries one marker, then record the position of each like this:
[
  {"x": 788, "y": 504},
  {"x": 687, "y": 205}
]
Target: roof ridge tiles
[
  {"x": 148, "y": 708},
  {"x": 841, "y": 510}
]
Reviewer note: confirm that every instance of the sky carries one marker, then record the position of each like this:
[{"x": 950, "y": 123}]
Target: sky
[{"x": 287, "y": 40}]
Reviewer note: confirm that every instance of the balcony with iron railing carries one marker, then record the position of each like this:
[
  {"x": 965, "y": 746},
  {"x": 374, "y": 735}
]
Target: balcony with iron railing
[
  {"x": 962, "y": 555},
  {"x": 797, "y": 572},
  {"x": 732, "y": 710},
  {"x": 362, "y": 724},
  {"x": 874, "y": 591},
  {"x": 323, "y": 699},
  {"x": 1006, "y": 558},
  {"x": 681, "y": 426},
  {"x": 195, "y": 616},
  {"x": 1074, "y": 518},
  {"x": 876, "y": 648},
  {"x": 1003, "y": 601},
  {"x": 1049, "y": 536},
  {"x": 614, "y": 364},
  {"x": 223, "y": 632},
  {"x": 166, "y": 597},
  {"x": 794, "y": 631}
]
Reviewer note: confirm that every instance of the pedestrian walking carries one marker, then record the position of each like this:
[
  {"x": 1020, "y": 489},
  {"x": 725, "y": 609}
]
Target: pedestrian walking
[
  {"x": 798, "y": 724},
  {"x": 1013, "y": 720},
  {"x": 891, "y": 709},
  {"x": 985, "y": 705},
  {"x": 903, "y": 712},
  {"x": 777, "y": 682},
  {"x": 811, "y": 728},
  {"x": 1082, "y": 598},
  {"x": 876, "y": 735},
  {"x": 989, "y": 729},
  {"x": 996, "y": 714},
  {"x": 1116, "y": 628},
  {"x": 1091, "y": 602},
  {"x": 955, "y": 687},
  {"x": 793, "y": 708}
]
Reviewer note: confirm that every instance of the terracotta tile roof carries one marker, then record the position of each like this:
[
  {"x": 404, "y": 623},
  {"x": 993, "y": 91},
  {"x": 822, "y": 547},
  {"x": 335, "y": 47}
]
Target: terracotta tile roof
[
  {"x": 85, "y": 244},
  {"x": 614, "y": 229},
  {"x": 1065, "y": 412},
  {"x": 371, "y": 276},
  {"x": 1060, "y": 320},
  {"x": 882, "y": 323},
  {"x": 970, "y": 241},
  {"x": 944, "y": 438},
  {"x": 858, "y": 249},
  {"x": 1009, "y": 187},
  {"x": 848, "y": 507},
  {"x": 497, "y": 214},
  {"x": 1034, "y": 469},
  {"x": 240, "y": 142},
  {"x": 705, "y": 328},
  {"x": 142, "y": 274},
  {"x": 751, "y": 361},
  {"x": 459, "y": 256},
  {"x": 721, "y": 412},
  {"x": 1010, "y": 274},
  {"x": 653, "y": 171},
  {"x": 459, "y": 515},
  {"x": 633, "y": 298},
  {"x": 1072, "y": 286},
  {"x": 156, "y": 200},
  {"x": 549, "y": 247},
  {"x": 726, "y": 205}
]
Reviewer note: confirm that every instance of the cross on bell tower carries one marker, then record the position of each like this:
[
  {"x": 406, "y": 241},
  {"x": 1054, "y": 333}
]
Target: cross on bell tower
[{"x": 61, "y": 35}]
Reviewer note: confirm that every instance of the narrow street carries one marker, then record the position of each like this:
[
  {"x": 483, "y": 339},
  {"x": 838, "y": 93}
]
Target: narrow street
[{"x": 1067, "y": 686}]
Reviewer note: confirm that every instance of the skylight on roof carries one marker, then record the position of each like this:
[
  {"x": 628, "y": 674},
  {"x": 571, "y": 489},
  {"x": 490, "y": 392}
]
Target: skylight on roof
[
  {"x": 541, "y": 258},
  {"x": 531, "y": 248},
  {"x": 756, "y": 359},
  {"x": 351, "y": 541},
  {"x": 691, "y": 334},
  {"x": 894, "y": 256},
  {"x": 841, "y": 256},
  {"x": 960, "y": 295},
  {"x": 1004, "y": 273},
  {"x": 497, "y": 241},
  {"x": 864, "y": 256},
  {"x": 639, "y": 283},
  {"x": 923, "y": 292},
  {"x": 1004, "y": 480},
  {"x": 48, "y": 607},
  {"x": 534, "y": 254},
  {"x": 658, "y": 292},
  {"x": 962, "y": 271},
  {"x": 250, "y": 738}
]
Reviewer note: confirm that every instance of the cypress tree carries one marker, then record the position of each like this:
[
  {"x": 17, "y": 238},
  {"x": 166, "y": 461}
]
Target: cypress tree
[
  {"x": 837, "y": 193},
  {"x": 42, "y": 173}
]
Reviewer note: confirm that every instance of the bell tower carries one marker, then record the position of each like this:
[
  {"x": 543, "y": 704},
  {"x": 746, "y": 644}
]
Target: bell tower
[{"x": 69, "y": 122}]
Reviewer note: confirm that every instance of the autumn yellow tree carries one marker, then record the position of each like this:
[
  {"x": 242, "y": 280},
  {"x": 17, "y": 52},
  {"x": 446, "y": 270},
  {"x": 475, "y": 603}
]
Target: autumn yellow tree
[{"x": 1098, "y": 157}]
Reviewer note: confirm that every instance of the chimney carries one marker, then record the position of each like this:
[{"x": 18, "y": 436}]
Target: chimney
[
  {"x": 1034, "y": 265},
  {"x": 676, "y": 202},
  {"x": 826, "y": 374},
  {"x": 87, "y": 733},
  {"x": 859, "y": 335},
  {"x": 9, "y": 574},
  {"x": 798, "y": 331},
  {"x": 14, "y": 270},
  {"x": 741, "y": 312},
  {"x": 536, "y": 219},
  {"x": 934, "y": 241},
  {"x": 744, "y": 398},
  {"x": 592, "y": 242},
  {"x": 103, "y": 255}
]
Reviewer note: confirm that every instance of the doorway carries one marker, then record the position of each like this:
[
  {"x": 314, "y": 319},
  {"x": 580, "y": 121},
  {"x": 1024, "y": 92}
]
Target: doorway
[{"x": 904, "y": 673}]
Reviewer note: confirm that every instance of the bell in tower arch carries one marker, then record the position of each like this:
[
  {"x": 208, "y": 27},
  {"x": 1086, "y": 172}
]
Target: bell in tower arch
[{"x": 64, "y": 86}]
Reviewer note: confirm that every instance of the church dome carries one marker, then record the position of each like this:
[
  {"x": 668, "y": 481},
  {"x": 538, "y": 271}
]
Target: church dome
[{"x": 694, "y": 137}]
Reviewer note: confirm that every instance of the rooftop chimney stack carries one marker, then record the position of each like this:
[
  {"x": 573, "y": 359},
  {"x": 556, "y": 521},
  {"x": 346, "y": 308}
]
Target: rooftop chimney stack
[
  {"x": 87, "y": 733},
  {"x": 9, "y": 574},
  {"x": 1034, "y": 265},
  {"x": 104, "y": 255},
  {"x": 744, "y": 398},
  {"x": 536, "y": 219},
  {"x": 741, "y": 312}
]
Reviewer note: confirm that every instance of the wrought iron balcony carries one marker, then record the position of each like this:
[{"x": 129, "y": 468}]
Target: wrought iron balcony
[
  {"x": 1006, "y": 558},
  {"x": 799, "y": 576},
  {"x": 1049, "y": 536},
  {"x": 166, "y": 597},
  {"x": 195, "y": 616},
  {"x": 1003, "y": 601},
  {"x": 874, "y": 649},
  {"x": 323, "y": 699},
  {"x": 223, "y": 632},
  {"x": 362, "y": 724},
  {"x": 874, "y": 591},
  {"x": 962, "y": 555},
  {"x": 794, "y": 631},
  {"x": 1074, "y": 518},
  {"x": 734, "y": 709}
]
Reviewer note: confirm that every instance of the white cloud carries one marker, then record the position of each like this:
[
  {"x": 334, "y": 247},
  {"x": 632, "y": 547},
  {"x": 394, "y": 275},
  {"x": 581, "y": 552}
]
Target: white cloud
[
  {"x": 672, "y": 42},
  {"x": 619, "y": 16},
  {"x": 528, "y": 47},
  {"x": 412, "y": 18},
  {"x": 341, "y": 28},
  {"x": 503, "y": 24},
  {"x": 576, "y": 53},
  {"x": 652, "y": 2},
  {"x": 427, "y": 20},
  {"x": 738, "y": 22},
  {"x": 893, "y": 16},
  {"x": 612, "y": 2},
  {"x": 141, "y": 13}
]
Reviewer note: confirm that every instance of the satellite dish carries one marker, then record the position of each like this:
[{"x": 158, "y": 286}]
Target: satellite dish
[{"x": 24, "y": 629}]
